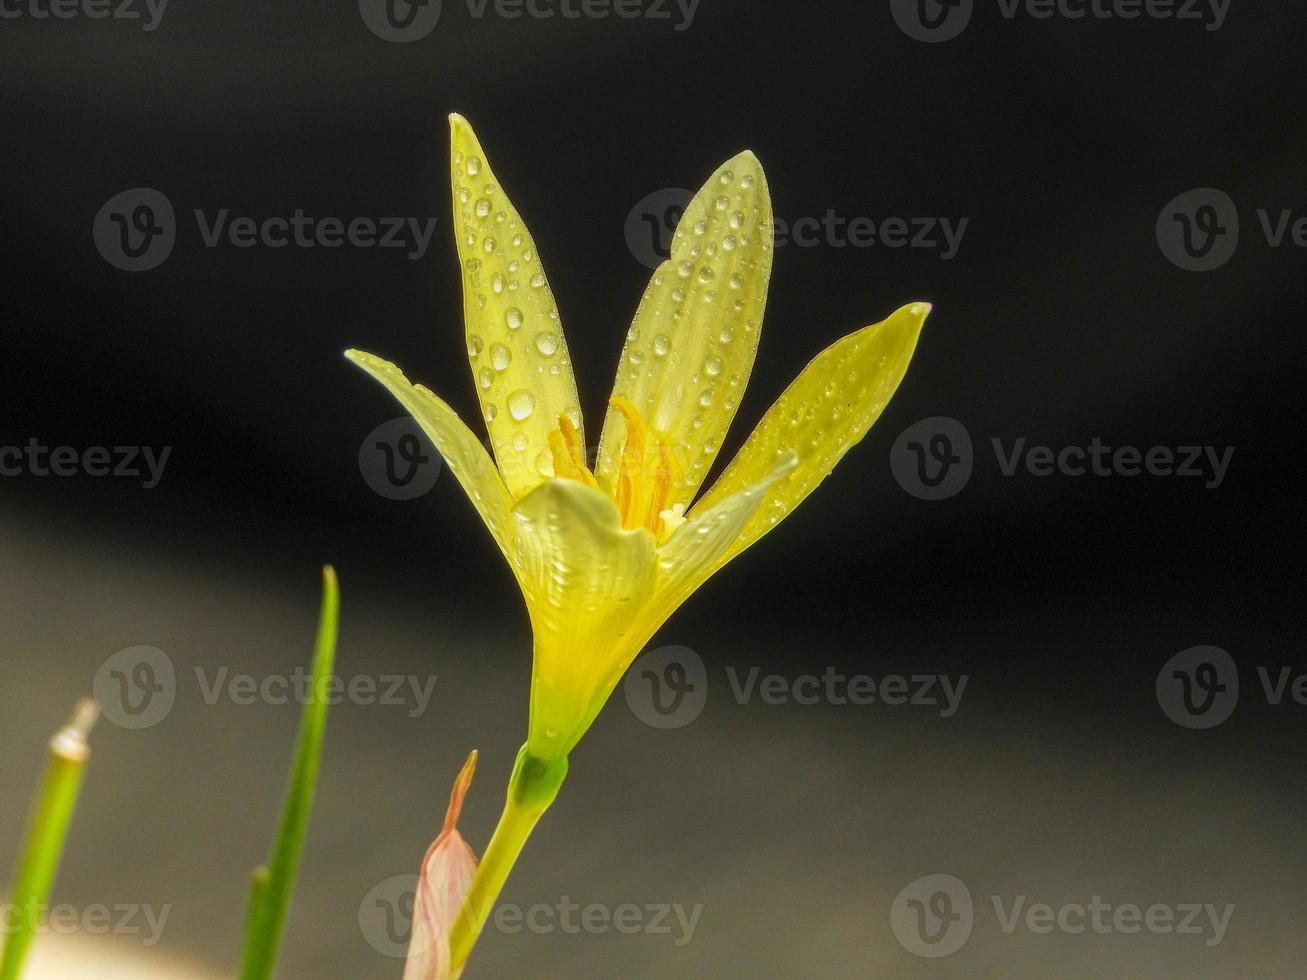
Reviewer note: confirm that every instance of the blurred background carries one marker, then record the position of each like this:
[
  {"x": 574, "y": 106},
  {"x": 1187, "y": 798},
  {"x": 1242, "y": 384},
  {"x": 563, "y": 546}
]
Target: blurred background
[{"x": 1105, "y": 212}]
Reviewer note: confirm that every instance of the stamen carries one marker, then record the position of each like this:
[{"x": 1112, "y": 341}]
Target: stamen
[
  {"x": 672, "y": 519},
  {"x": 565, "y": 446},
  {"x": 630, "y": 474},
  {"x": 662, "y": 489}
]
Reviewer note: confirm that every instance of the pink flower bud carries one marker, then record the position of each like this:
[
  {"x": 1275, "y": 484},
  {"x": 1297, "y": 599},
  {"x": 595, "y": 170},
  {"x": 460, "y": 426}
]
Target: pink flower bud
[{"x": 446, "y": 876}]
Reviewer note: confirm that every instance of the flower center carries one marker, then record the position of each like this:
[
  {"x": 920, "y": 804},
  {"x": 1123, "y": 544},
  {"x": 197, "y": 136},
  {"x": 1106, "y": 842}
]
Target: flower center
[{"x": 644, "y": 478}]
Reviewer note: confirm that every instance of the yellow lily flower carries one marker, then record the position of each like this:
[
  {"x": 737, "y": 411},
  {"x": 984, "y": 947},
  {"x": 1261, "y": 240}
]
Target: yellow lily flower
[{"x": 605, "y": 555}]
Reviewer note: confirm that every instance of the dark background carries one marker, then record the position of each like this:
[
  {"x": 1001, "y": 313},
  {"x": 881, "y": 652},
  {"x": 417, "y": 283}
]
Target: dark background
[{"x": 1059, "y": 320}]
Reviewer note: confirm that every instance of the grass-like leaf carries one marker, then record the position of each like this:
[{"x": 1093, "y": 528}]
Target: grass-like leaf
[
  {"x": 52, "y": 813},
  {"x": 272, "y": 885}
]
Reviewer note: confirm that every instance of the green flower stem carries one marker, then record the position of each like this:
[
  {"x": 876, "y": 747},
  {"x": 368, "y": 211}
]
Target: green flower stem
[
  {"x": 52, "y": 813},
  {"x": 532, "y": 788},
  {"x": 272, "y": 886}
]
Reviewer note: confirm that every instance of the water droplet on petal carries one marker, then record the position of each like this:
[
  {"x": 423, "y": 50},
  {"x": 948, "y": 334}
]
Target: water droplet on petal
[
  {"x": 661, "y": 345},
  {"x": 546, "y": 343},
  {"x": 513, "y": 318},
  {"x": 500, "y": 357},
  {"x": 521, "y": 404}
]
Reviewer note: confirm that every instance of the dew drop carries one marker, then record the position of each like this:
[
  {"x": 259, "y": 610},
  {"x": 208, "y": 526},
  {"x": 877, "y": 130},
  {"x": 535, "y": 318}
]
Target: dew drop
[
  {"x": 513, "y": 318},
  {"x": 473, "y": 166},
  {"x": 662, "y": 345},
  {"x": 483, "y": 208},
  {"x": 547, "y": 343},
  {"x": 474, "y": 345},
  {"x": 537, "y": 280},
  {"x": 520, "y": 441},
  {"x": 713, "y": 366},
  {"x": 500, "y": 357},
  {"x": 485, "y": 377},
  {"x": 521, "y": 404}
]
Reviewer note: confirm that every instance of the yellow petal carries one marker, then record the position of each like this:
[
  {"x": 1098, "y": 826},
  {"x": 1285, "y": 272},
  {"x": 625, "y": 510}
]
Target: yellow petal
[
  {"x": 695, "y": 549},
  {"x": 466, "y": 458},
  {"x": 691, "y": 346},
  {"x": 821, "y": 416},
  {"x": 585, "y": 580},
  {"x": 514, "y": 337}
]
